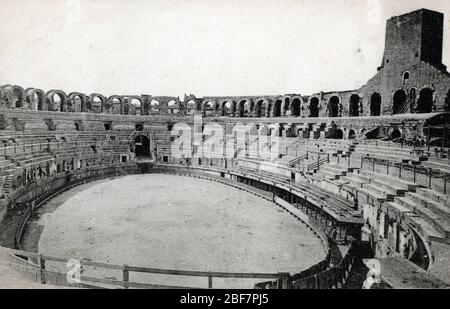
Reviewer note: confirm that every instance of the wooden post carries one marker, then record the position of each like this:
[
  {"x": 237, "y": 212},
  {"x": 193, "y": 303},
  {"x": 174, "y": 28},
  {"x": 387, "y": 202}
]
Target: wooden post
[
  {"x": 415, "y": 172},
  {"x": 400, "y": 171},
  {"x": 430, "y": 170},
  {"x": 387, "y": 167},
  {"x": 42, "y": 268},
  {"x": 210, "y": 282},
  {"x": 126, "y": 275},
  {"x": 318, "y": 160},
  {"x": 445, "y": 183}
]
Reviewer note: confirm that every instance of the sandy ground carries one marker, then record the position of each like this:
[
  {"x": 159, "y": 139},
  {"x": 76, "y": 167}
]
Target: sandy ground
[{"x": 176, "y": 222}]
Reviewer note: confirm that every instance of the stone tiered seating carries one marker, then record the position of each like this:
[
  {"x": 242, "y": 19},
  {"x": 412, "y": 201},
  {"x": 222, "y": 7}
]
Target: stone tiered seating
[
  {"x": 336, "y": 204},
  {"x": 428, "y": 210},
  {"x": 28, "y": 159},
  {"x": 395, "y": 153}
]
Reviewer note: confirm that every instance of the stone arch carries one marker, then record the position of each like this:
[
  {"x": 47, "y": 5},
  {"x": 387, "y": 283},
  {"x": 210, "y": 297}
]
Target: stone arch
[
  {"x": 333, "y": 106},
  {"x": 173, "y": 107},
  {"x": 13, "y": 96},
  {"x": 425, "y": 101},
  {"x": 314, "y": 107},
  {"x": 35, "y": 98},
  {"x": 395, "y": 133},
  {"x": 226, "y": 108},
  {"x": 136, "y": 103},
  {"x": 191, "y": 106},
  {"x": 208, "y": 108},
  {"x": 142, "y": 145},
  {"x": 114, "y": 105},
  {"x": 76, "y": 102},
  {"x": 241, "y": 110},
  {"x": 405, "y": 76},
  {"x": 351, "y": 134},
  {"x": 296, "y": 107},
  {"x": 398, "y": 102},
  {"x": 353, "y": 108},
  {"x": 56, "y": 100},
  {"x": 375, "y": 104},
  {"x": 155, "y": 106},
  {"x": 98, "y": 102},
  {"x": 260, "y": 108}
]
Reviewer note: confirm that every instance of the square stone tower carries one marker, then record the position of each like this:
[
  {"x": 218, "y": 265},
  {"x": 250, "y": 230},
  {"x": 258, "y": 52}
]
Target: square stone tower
[{"x": 414, "y": 37}]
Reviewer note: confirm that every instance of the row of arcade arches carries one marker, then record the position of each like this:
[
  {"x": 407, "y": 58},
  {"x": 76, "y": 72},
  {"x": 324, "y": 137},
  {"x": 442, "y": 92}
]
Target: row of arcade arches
[{"x": 403, "y": 101}]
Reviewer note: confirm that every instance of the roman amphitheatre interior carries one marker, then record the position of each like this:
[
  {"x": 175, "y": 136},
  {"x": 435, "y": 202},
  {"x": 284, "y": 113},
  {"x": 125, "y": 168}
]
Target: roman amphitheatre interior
[{"x": 268, "y": 192}]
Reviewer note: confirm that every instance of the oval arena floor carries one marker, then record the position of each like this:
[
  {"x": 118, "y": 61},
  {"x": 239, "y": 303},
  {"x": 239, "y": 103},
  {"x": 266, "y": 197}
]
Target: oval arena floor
[{"x": 174, "y": 222}]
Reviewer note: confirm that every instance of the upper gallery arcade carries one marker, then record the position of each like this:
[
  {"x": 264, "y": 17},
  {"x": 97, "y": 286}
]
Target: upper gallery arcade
[{"x": 411, "y": 79}]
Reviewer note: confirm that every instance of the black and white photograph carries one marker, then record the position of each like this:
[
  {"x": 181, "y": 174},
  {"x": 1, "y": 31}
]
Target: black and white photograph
[{"x": 229, "y": 146}]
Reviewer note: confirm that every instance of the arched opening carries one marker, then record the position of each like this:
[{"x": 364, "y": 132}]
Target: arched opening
[
  {"x": 296, "y": 107},
  {"x": 277, "y": 108},
  {"x": 74, "y": 103},
  {"x": 224, "y": 108},
  {"x": 18, "y": 94},
  {"x": 96, "y": 105},
  {"x": 405, "y": 77},
  {"x": 208, "y": 109},
  {"x": 351, "y": 134},
  {"x": 333, "y": 107},
  {"x": 425, "y": 102},
  {"x": 398, "y": 106},
  {"x": 173, "y": 107},
  {"x": 314, "y": 107},
  {"x": 354, "y": 106},
  {"x": 259, "y": 109},
  {"x": 375, "y": 104},
  {"x": 396, "y": 134},
  {"x": 142, "y": 146},
  {"x": 58, "y": 99},
  {"x": 338, "y": 134},
  {"x": 191, "y": 106},
  {"x": 137, "y": 105},
  {"x": 154, "y": 107},
  {"x": 116, "y": 105}
]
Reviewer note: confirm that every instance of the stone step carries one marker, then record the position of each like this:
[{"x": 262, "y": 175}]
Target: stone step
[
  {"x": 442, "y": 224},
  {"x": 426, "y": 229},
  {"x": 381, "y": 191},
  {"x": 397, "y": 182},
  {"x": 435, "y": 196},
  {"x": 356, "y": 182},
  {"x": 374, "y": 194},
  {"x": 429, "y": 203}
]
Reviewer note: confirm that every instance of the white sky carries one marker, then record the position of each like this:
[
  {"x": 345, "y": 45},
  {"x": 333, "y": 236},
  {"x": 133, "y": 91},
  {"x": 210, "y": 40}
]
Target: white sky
[{"x": 203, "y": 47}]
